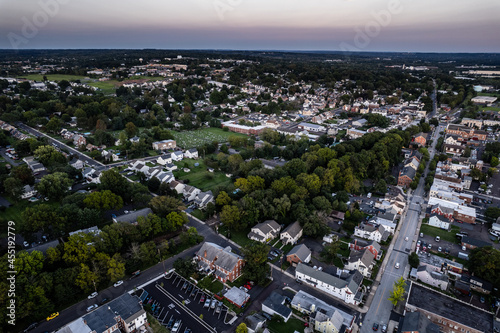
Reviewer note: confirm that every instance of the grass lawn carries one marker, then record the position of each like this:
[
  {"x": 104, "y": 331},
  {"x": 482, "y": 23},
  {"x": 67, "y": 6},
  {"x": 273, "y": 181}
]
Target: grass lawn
[
  {"x": 198, "y": 214},
  {"x": 55, "y": 77},
  {"x": 199, "y": 176},
  {"x": 107, "y": 87},
  {"x": 491, "y": 108},
  {"x": 240, "y": 237},
  {"x": 193, "y": 139},
  {"x": 155, "y": 325},
  {"x": 291, "y": 325},
  {"x": 211, "y": 284},
  {"x": 443, "y": 234}
]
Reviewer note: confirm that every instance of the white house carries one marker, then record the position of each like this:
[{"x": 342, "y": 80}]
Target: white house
[
  {"x": 439, "y": 221},
  {"x": 275, "y": 305},
  {"x": 171, "y": 167},
  {"x": 164, "y": 159},
  {"x": 348, "y": 290},
  {"x": 291, "y": 234},
  {"x": 361, "y": 261},
  {"x": 430, "y": 276},
  {"x": 177, "y": 156},
  {"x": 371, "y": 232},
  {"x": 28, "y": 192},
  {"x": 191, "y": 153},
  {"x": 190, "y": 192},
  {"x": 177, "y": 186},
  {"x": 76, "y": 163},
  {"x": 203, "y": 198},
  {"x": 265, "y": 231}
]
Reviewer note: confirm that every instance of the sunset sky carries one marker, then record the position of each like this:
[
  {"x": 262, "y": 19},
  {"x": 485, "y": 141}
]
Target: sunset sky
[{"x": 421, "y": 26}]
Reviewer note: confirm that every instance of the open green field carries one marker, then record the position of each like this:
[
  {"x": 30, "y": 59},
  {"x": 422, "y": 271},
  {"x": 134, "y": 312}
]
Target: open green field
[
  {"x": 107, "y": 87},
  {"x": 291, "y": 325},
  {"x": 488, "y": 94},
  {"x": 199, "y": 176},
  {"x": 193, "y": 139},
  {"x": 491, "y": 108},
  {"x": 55, "y": 77},
  {"x": 443, "y": 234}
]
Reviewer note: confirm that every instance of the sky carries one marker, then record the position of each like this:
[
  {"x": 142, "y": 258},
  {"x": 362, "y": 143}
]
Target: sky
[{"x": 330, "y": 25}]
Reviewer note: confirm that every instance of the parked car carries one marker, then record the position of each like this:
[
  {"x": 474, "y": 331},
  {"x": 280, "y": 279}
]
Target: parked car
[
  {"x": 92, "y": 307},
  {"x": 176, "y": 326},
  {"x": 207, "y": 303},
  {"x": 118, "y": 283},
  {"x": 213, "y": 304},
  {"x": 202, "y": 298},
  {"x": 93, "y": 295},
  {"x": 397, "y": 265},
  {"x": 384, "y": 328},
  {"x": 375, "y": 327},
  {"x": 170, "y": 323},
  {"x": 32, "y": 326},
  {"x": 184, "y": 286}
]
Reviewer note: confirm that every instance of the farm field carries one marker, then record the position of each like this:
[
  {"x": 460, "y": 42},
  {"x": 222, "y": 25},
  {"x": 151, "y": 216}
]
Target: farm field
[
  {"x": 193, "y": 139},
  {"x": 199, "y": 176},
  {"x": 55, "y": 77}
]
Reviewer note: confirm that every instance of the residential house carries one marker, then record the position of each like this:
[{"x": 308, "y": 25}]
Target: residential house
[
  {"x": 406, "y": 176},
  {"x": 431, "y": 276},
  {"x": 299, "y": 253},
  {"x": 203, "y": 199},
  {"x": 76, "y": 163},
  {"x": 191, "y": 153},
  {"x": 163, "y": 177},
  {"x": 439, "y": 221},
  {"x": 177, "y": 156},
  {"x": 347, "y": 290},
  {"x": 79, "y": 140},
  {"x": 132, "y": 217},
  {"x": 372, "y": 246},
  {"x": 311, "y": 127},
  {"x": 237, "y": 296},
  {"x": 472, "y": 243},
  {"x": 324, "y": 316},
  {"x": 28, "y": 192},
  {"x": 337, "y": 216},
  {"x": 265, "y": 231},
  {"x": 171, "y": 167},
  {"x": 135, "y": 139},
  {"x": 480, "y": 285},
  {"x": 361, "y": 261},
  {"x": 274, "y": 304},
  {"x": 354, "y": 133},
  {"x": 123, "y": 314},
  {"x": 255, "y": 323},
  {"x": 371, "y": 232},
  {"x": 164, "y": 159},
  {"x": 177, "y": 186},
  {"x": 227, "y": 265},
  {"x": 291, "y": 234},
  {"x": 359, "y": 123},
  {"x": 420, "y": 139},
  {"x": 164, "y": 145},
  {"x": 190, "y": 192}
]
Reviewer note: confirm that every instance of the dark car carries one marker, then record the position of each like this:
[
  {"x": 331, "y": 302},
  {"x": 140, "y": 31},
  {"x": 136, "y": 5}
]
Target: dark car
[
  {"x": 32, "y": 326},
  {"x": 105, "y": 300},
  {"x": 375, "y": 327}
]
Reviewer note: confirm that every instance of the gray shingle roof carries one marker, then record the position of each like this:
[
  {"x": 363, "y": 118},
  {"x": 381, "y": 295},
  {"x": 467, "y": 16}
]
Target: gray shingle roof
[
  {"x": 132, "y": 216},
  {"x": 352, "y": 282},
  {"x": 276, "y": 302},
  {"x": 293, "y": 229},
  {"x": 300, "y": 251},
  {"x": 222, "y": 256}
]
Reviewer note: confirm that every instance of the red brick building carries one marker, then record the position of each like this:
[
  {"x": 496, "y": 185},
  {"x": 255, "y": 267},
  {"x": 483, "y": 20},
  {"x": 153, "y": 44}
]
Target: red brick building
[{"x": 226, "y": 265}]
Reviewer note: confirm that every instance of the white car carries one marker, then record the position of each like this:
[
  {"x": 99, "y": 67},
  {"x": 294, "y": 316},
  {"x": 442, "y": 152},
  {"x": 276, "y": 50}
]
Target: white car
[
  {"x": 397, "y": 265},
  {"x": 92, "y": 307},
  {"x": 93, "y": 295},
  {"x": 118, "y": 283},
  {"x": 26, "y": 244}
]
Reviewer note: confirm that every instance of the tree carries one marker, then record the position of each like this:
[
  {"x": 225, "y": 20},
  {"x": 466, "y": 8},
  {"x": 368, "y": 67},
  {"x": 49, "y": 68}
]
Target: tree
[
  {"x": 242, "y": 328},
  {"x": 176, "y": 220},
  {"x": 154, "y": 184},
  {"x": 185, "y": 267},
  {"x": 86, "y": 279},
  {"x": 329, "y": 253},
  {"x": 282, "y": 204},
  {"x": 130, "y": 129},
  {"x": 113, "y": 181},
  {"x": 48, "y": 156},
  {"x": 223, "y": 199},
  {"x": 398, "y": 292},
  {"x": 13, "y": 187},
  {"x": 381, "y": 186},
  {"x": 295, "y": 167},
  {"x": 103, "y": 200},
  {"x": 256, "y": 268},
  {"x": 41, "y": 217},
  {"x": 78, "y": 249},
  {"x": 413, "y": 260},
  {"x": 54, "y": 125},
  {"x": 24, "y": 173},
  {"x": 54, "y": 186},
  {"x": 492, "y": 212},
  {"x": 230, "y": 216},
  {"x": 322, "y": 204},
  {"x": 164, "y": 205},
  {"x": 485, "y": 263}
]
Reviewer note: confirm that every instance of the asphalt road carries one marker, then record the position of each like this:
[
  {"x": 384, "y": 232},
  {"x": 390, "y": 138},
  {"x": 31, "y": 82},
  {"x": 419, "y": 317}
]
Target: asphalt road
[{"x": 381, "y": 308}]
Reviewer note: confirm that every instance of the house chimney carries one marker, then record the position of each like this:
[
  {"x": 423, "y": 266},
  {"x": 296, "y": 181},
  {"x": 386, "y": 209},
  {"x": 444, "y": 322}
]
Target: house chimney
[{"x": 205, "y": 254}]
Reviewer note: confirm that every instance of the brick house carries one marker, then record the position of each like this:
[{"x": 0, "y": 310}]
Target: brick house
[
  {"x": 226, "y": 265},
  {"x": 420, "y": 138},
  {"x": 406, "y": 176},
  {"x": 300, "y": 253}
]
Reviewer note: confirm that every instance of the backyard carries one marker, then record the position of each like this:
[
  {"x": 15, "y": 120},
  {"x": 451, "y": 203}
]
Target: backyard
[
  {"x": 443, "y": 234},
  {"x": 199, "y": 176},
  {"x": 291, "y": 325},
  {"x": 193, "y": 139}
]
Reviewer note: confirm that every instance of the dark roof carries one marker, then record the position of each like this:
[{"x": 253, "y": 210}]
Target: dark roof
[
  {"x": 418, "y": 322},
  {"x": 223, "y": 256},
  {"x": 409, "y": 172},
  {"x": 301, "y": 251},
  {"x": 450, "y": 308},
  {"x": 293, "y": 229},
  {"x": 475, "y": 242},
  {"x": 276, "y": 302}
]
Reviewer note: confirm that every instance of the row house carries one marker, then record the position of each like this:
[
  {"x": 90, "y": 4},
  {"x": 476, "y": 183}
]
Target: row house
[
  {"x": 457, "y": 150},
  {"x": 347, "y": 289},
  {"x": 226, "y": 265}
]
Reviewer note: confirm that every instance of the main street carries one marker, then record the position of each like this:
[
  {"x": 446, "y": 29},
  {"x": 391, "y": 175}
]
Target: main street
[{"x": 380, "y": 308}]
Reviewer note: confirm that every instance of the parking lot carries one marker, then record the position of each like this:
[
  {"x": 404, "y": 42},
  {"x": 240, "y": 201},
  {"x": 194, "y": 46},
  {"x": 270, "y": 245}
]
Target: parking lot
[{"x": 177, "y": 300}]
